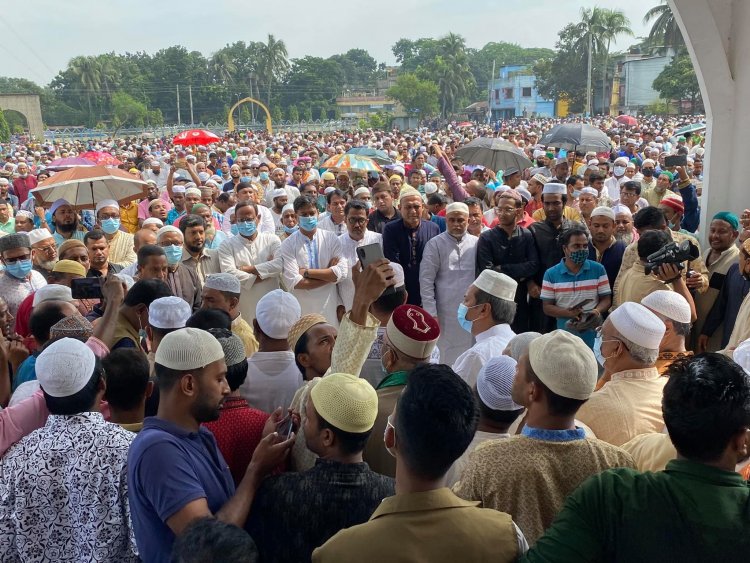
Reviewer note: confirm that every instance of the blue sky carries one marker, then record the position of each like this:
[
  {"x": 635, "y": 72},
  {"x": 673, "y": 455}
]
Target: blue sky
[{"x": 36, "y": 43}]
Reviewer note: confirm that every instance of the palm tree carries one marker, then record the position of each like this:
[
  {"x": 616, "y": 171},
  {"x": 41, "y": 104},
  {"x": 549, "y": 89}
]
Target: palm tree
[
  {"x": 664, "y": 32},
  {"x": 273, "y": 62},
  {"x": 223, "y": 68},
  {"x": 454, "y": 79},
  {"x": 453, "y": 44},
  {"x": 88, "y": 72},
  {"x": 613, "y": 23}
]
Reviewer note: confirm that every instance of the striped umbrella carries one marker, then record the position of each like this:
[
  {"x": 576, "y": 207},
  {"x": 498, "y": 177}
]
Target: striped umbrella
[{"x": 351, "y": 162}]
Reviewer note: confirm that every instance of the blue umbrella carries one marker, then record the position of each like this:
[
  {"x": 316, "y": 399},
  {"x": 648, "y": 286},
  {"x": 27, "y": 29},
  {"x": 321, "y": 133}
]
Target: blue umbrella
[{"x": 378, "y": 156}]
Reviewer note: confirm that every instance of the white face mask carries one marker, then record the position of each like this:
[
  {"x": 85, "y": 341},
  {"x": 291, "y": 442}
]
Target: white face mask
[
  {"x": 619, "y": 170},
  {"x": 388, "y": 423}
]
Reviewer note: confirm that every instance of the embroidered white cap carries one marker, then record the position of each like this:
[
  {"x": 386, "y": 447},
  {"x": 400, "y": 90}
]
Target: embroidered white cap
[
  {"x": 65, "y": 367},
  {"x": 638, "y": 324},
  {"x": 497, "y": 284}
]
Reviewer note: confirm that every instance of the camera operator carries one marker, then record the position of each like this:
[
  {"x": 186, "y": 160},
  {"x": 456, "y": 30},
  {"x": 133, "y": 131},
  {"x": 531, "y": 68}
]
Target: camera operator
[
  {"x": 652, "y": 219},
  {"x": 635, "y": 284}
]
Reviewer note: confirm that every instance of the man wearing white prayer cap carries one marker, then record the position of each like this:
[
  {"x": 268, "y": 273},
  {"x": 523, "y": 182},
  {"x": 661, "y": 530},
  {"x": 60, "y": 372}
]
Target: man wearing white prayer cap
[
  {"x": 44, "y": 255},
  {"x": 629, "y": 400},
  {"x": 604, "y": 247},
  {"x": 448, "y": 267},
  {"x": 486, "y": 312},
  {"x": 120, "y": 242},
  {"x": 223, "y": 291},
  {"x": 497, "y": 410},
  {"x": 677, "y": 315},
  {"x": 165, "y": 315},
  {"x": 624, "y": 230},
  {"x": 530, "y": 475}
]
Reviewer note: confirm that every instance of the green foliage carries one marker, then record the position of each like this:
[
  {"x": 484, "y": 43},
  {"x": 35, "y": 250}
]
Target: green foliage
[
  {"x": 292, "y": 114},
  {"x": 678, "y": 81},
  {"x": 379, "y": 120},
  {"x": 418, "y": 96},
  {"x": 276, "y": 114},
  {"x": 358, "y": 67},
  {"x": 127, "y": 111},
  {"x": 660, "y": 107},
  {"x": 312, "y": 79},
  {"x": 664, "y": 31},
  {"x": 4, "y": 129}
]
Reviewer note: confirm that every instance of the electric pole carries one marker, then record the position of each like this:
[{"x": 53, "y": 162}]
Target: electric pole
[
  {"x": 588, "y": 82},
  {"x": 190, "y": 96},
  {"x": 178, "y": 105}
]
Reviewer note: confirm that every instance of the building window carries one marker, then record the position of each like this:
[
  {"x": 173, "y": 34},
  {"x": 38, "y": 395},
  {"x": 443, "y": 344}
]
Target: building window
[
  {"x": 526, "y": 92},
  {"x": 497, "y": 94},
  {"x": 508, "y": 93}
]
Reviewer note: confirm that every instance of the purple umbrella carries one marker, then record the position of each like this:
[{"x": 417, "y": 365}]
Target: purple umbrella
[{"x": 69, "y": 162}]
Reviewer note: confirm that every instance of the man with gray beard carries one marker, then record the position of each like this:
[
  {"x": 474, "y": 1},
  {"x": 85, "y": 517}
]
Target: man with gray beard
[{"x": 624, "y": 224}]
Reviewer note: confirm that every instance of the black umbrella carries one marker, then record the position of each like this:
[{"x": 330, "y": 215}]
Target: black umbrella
[
  {"x": 495, "y": 154},
  {"x": 575, "y": 136}
]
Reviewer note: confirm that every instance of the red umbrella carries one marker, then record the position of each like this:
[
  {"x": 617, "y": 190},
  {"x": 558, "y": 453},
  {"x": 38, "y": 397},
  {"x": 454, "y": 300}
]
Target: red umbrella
[
  {"x": 628, "y": 120},
  {"x": 101, "y": 158},
  {"x": 196, "y": 137}
]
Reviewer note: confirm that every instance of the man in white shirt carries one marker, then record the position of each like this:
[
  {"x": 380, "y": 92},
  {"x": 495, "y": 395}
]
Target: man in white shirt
[
  {"x": 272, "y": 374},
  {"x": 356, "y": 235},
  {"x": 487, "y": 310},
  {"x": 612, "y": 184},
  {"x": 334, "y": 221},
  {"x": 313, "y": 263},
  {"x": 278, "y": 179},
  {"x": 253, "y": 257},
  {"x": 447, "y": 267},
  {"x": 249, "y": 192},
  {"x": 280, "y": 199}
]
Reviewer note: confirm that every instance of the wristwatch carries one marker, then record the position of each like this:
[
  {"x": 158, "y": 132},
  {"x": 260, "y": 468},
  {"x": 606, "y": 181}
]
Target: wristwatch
[{"x": 305, "y": 275}]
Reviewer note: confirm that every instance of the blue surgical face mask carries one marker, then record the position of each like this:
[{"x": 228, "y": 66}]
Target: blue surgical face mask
[
  {"x": 308, "y": 223},
  {"x": 19, "y": 269},
  {"x": 234, "y": 229},
  {"x": 576, "y": 193},
  {"x": 245, "y": 179},
  {"x": 368, "y": 204},
  {"x": 246, "y": 228},
  {"x": 598, "y": 350},
  {"x": 174, "y": 254},
  {"x": 461, "y": 316},
  {"x": 263, "y": 176},
  {"x": 291, "y": 230},
  {"x": 110, "y": 226}
]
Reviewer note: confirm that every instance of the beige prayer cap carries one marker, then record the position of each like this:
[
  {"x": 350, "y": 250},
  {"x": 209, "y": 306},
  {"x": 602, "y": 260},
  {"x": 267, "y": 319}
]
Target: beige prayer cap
[
  {"x": 457, "y": 207},
  {"x": 347, "y": 402},
  {"x": 497, "y": 284},
  {"x": 188, "y": 349},
  {"x": 564, "y": 363},
  {"x": 639, "y": 325},
  {"x": 305, "y": 323}
]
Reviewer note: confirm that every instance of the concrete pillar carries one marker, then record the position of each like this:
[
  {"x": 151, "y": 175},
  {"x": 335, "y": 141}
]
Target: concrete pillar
[{"x": 716, "y": 33}]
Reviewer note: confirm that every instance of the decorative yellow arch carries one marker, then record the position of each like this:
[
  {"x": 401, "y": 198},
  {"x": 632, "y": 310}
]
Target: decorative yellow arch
[{"x": 230, "y": 119}]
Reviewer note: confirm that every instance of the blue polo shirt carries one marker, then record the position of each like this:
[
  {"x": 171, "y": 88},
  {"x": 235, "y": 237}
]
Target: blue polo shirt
[
  {"x": 566, "y": 289},
  {"x": 169, "y": 467}
]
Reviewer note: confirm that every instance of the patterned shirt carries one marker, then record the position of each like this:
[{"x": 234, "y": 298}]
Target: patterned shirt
[
  {"x": 14, "y": 291},
  {"x": 285, "y": 520},
  {"x": 63, "y": 493}
]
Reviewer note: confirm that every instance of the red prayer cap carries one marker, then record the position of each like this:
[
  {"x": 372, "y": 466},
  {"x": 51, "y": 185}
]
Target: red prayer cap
[
  {"x": 674, "y": 203},
  {"x": 413, "y": 331}
]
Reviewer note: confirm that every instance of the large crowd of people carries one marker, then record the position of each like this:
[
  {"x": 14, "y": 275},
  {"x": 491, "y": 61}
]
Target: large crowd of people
[{"x": 277, "y": 360}]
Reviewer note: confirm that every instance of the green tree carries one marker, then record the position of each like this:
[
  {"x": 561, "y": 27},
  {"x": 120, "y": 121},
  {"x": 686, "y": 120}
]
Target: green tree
[
  {"x": 292, "y": 114},
  {"x": 312, "y": 79},
  {"x": 127, "y": 111},
  {"x": 418, "y": 96},
  {"x": 612, "y": 23},
  {"x": 358, "y": 66},
  {"x": 276, "y": 114},
  {"x": 307, "y": 113},
  {"x": 4, "y": 129},
  {"x": 272, "y": 63},
  {"x": 222, "y": 68},
  {"x": 502, "y": 54},
  {"x": 88, "y": 73},
  {"x": 665, "y": 32},
  {"x": 678, "y": 81}
]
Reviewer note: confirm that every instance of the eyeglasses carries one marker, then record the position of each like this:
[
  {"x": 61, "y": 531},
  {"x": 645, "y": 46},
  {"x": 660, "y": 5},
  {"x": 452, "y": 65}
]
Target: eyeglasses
[
  {"x": 357, "y": 220},
  {"x": 16, "y": 259},
  {"x": 49, "y": 248},
  {"x": 505, "y": 209}
]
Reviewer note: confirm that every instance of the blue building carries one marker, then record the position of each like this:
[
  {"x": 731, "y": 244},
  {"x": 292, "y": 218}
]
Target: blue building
[{"x": 513, "y": 94}]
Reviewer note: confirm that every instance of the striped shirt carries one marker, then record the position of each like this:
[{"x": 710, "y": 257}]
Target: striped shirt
[{"x": 566, "y": 289}]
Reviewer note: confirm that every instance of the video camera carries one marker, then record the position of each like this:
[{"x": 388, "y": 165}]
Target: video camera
[{"x": 671, "y": 253}]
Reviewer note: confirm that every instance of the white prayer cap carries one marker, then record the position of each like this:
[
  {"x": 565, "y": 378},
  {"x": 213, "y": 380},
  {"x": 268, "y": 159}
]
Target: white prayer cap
[
  {"x": 328, "y": 190},
  {"x": 457, "y": 207},
  {"x": 590, "y": 191},
  {"x": 155, "y": 162},
  {"x": 398, "y": 274},
  {"x": 525, "y": 194},
  {"x": 619, "y": 208},
  {"x": 593, "y": 162},
  {"x": 167, "y": 229},
  {"x": 193, "y": 191},
  {"x": 52, "y": 292},
  {"x": 630, "y": 142},
  {"x": 398, "y": 169},
  {"x": 565, "y": 364},
  {"x": 539, "y": 153},
  {"x": 4, "y": 181},
  {"x": 496, "y": 284},
  {"x": 287, "y": 207},
  {"x": 223, "y": 281},
  {"x": 276, "y": 312},
  {"x": 152, "y": 221},
  {"x": 648, "y": 162},
  {"x": 178, "y": 189},
  {"x": 106, "y": 203},
  {"x": 519, "y": 344},
  {"x": 494, "y": 384},
  {"x": 639, "y": 325},
  {"x": 741, "y": 355},
  {"x": 408, "y": 191},
  {"x": 621, "y": 160},
  {"x": 603, "y": 211},
  {"x": 502, "y": 189},
  {"x": 169, "y": 312},
  {"x": 24, "y": 213},
  {"x": 187, "y": 349},
  {"x": 278, "y": 192},
  {"x": 151, "y": 182},
  {"x": 234, "y": 349},
  {"x": 65, "y": 367},
  {"x": 429, "y": 188},
  {"x": 555, "y": 188},
  {"x": 38, "y": 235},
  {"x": 541, "y": 178},
  {"x": 669, "y": 304},
  {"x": 361, "y": 191}
]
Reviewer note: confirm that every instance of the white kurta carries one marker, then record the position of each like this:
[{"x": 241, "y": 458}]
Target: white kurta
[
  {"x": 349, "y": 250},
  {"x": 265, "y": 224},
  {"x": 297, "y": 252},
  {"x": 264, "y": 254},
  {"x": 446, "y": 272},
  {"x": 327, "y": 224},
  {"x": 490, "y": 343}
]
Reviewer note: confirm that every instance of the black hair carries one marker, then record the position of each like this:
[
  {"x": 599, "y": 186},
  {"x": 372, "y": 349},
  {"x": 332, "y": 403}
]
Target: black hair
[
  {"x": 80, "y": 401},
  {"x": 568, "y": 234},
  {"x": 649, "y": 218},
  {"x": 650, "y": 242},
  {"x": 557, "y": 404},
  {"x": 332, "y": 193},
  {"x": 126, "y": 371},
  {"x": 435, "y": 402},
  {"x": 387, "y": 302},
  {"x": 145, "y": 292},
  {"x": 572, "y": 179},
  {"x": 706, "y": 402},
  {"x": 300, "y": 348},
  {"x": 503, "y": 311},
  {"x": 357, "y": 204},
  {"x": 167, "y": 377},
  {"x": 242, "y": 204},
  {"x": 43, "y": 317},
  {"x": 95, "y": 234},
  {"x": 595, "y": 177},
  {"x": 348, "y": 442},
  {"x": 437, "y": 199},
  {"x": 303, "y": 201},
  {"x": 496, "y": 416},
  {"x": 564, "y": 197},
  {"x": 632, "y": 185},
  {"x": 298, "y": 168},
  {"x": 148, "y": 250},
  {"x": 236, "y": 373},
  {"x": 210, "y": 539},
  {"x": 471, "y": 201},
  {"x": 191, "y": 221},
  {"x": 206, "y": 319},
  {"x": 223, "y": 197}
]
